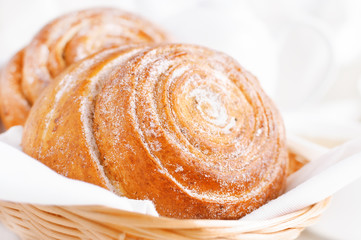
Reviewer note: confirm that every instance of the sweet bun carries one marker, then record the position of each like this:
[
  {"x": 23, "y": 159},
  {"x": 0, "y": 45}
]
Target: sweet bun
[
  {"x": 60, "y": 43},
  {"x": 182, "y": 125}
]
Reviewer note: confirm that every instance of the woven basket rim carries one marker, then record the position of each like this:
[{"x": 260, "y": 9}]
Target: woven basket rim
[
  {"x": 115, "y": 222},
  {"x": 218, "y": 221}
]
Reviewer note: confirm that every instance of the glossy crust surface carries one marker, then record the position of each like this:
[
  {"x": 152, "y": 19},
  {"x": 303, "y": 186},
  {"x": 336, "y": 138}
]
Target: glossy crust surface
[
  {"x": 60, "y": 43},
  {"x": 182, "y": 125}
]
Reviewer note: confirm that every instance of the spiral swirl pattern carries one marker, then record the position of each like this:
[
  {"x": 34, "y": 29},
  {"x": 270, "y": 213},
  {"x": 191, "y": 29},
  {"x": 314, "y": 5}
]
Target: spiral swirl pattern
[
  {"x": 182, "y": 125},
  {"x": 60, "y": 43}
]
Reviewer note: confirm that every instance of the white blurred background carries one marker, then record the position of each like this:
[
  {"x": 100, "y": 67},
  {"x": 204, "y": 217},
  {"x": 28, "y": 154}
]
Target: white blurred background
[{"x": 306, "y": 54}]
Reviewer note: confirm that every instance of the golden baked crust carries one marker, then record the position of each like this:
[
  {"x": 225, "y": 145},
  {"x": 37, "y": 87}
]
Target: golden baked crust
[
  {"x": 14, "y": 107},
  {"x": 182, "y": 125},
  {"x": 60, "y": 43}
]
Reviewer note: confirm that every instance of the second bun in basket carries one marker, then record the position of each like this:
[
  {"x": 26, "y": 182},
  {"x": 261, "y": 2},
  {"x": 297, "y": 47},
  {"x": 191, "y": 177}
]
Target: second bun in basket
[
  {"x": 181, "y": 125},
  {"x": 60, "y": 43}
]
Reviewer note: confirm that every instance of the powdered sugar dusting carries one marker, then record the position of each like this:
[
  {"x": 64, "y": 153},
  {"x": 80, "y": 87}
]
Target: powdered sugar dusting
[
  {"x": 259, "y": 132},
  {"x": 179, "y": 169},
  {"x": 230, "y": 125},
  {"x": 210, "y": 106},
  {"x": 179, "y": 71}
]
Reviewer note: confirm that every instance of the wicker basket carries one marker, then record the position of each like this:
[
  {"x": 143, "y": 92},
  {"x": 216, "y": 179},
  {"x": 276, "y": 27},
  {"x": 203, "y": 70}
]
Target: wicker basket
[{"x": 99, "y": 222}]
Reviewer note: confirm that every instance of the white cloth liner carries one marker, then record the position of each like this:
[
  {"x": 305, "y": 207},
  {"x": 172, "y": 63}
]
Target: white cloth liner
[
  {"x": 25, "y": 180},
  {"x": 322, "y": 177}
]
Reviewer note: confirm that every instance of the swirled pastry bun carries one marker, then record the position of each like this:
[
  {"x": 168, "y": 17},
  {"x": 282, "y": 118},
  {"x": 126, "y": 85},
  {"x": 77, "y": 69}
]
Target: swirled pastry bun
[
  {"x": 181, "y": 125},
  {"x": 60, "y": 43}
]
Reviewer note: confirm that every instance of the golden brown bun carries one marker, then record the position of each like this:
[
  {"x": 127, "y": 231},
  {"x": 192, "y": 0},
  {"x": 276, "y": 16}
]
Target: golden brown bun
[
  {"x": 184, "y": 126},
  {"x": 60, "y": 43}
]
